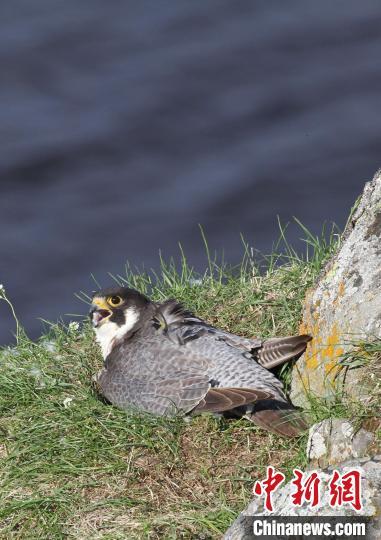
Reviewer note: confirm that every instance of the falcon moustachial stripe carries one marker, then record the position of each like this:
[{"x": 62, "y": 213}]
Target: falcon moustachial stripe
[{"x": 160, "y": 358}]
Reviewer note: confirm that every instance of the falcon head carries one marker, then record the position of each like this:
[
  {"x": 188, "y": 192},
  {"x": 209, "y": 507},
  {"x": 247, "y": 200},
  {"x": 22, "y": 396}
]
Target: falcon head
[{"x": 115, "y": 312}]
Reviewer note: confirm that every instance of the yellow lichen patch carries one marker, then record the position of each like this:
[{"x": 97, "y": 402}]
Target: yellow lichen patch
[
  {"x": 331, "y": 350},
  {"x": 318, "y": 371},
  {"x": 303, "y": 329},
  {"x": 341, "y": 289},
  {"x": 340, "y": 293},
  {"x": 311, "y": 326},
  {"x": 331, "y": 368},
  {"x": 324, "y": 351},
  {"x": 312, "y": 354}
]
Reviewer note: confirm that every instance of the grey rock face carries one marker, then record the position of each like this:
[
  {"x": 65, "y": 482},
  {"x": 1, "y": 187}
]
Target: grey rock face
[
  {"x": 345, "y": 305},
  {"x": 370, "y": 470},
  {"x": 334, "y": 440}
]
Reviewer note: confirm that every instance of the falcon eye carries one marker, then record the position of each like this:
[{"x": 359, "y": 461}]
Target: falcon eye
[{"x": 114, "y": 300}]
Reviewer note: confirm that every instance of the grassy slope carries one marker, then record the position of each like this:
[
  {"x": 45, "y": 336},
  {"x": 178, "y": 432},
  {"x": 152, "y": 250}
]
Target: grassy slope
[{"x": 75, "y": 467}]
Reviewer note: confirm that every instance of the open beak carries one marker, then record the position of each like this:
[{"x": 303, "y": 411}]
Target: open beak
[{"x": 99, "y": 312}]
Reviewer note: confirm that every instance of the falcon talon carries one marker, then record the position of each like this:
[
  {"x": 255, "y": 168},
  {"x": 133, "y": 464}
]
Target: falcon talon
[{"x": 162, "y": 359}]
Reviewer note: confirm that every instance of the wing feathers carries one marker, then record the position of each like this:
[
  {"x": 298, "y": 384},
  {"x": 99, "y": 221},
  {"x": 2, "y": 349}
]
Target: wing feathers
[
  {"x": 276, "y": 351},
  {"x": 279, "y": 417},
  {"x": 224, "y": 399}
]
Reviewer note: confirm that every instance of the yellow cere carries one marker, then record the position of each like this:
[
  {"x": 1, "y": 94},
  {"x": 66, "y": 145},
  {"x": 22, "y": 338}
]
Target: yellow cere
[{"x": 101, "y": 303}]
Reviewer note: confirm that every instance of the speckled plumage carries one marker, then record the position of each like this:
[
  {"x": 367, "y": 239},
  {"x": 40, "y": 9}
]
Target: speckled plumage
[{"x": 171, "y": 360}]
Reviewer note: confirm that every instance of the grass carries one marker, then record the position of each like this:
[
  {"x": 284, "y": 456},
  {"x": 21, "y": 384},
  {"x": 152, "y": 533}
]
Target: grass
[
  {"x": 73, "y": 466},
  {"x": 367, "y": 411}
]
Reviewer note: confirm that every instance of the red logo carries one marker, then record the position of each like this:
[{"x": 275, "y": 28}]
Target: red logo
[
  {"x": 306, "y": 489},
  {"x": 343, "y": 488},
  {"x": 270, "y": 484}
]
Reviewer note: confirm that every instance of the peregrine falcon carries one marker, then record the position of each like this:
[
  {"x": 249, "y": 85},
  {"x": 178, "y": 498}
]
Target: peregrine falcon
[{"x": 162, "y": 359}]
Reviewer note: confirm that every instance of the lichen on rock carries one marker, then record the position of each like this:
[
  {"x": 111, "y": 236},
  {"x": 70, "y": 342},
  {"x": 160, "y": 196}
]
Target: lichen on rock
[
  {"x": 345, "y": 304},
  {"x": 343, "y": 308},
  {"x": 335, "y": 440}
]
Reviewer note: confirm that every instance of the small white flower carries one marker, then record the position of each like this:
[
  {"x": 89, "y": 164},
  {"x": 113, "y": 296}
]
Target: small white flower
[
  {"x": 2, "y": 288},
  {"x": 73, "y": 326},
  {"x": 67, "y": 401}
]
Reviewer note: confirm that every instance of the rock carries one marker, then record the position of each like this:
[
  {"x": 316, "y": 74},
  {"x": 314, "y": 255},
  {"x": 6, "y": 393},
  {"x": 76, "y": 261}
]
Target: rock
[
  {"x": 344, "y": 306},
  {"x": 334, "y": 440},
  {"x": 370, "y": 470},
  {"x": 241, "y": 528}
]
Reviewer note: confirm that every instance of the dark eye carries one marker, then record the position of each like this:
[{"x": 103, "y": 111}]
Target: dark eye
[{"x": 114, "y": 300}]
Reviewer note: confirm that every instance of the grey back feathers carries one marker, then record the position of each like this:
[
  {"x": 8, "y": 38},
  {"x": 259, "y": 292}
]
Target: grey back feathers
[{"x": 175, "y": 361}]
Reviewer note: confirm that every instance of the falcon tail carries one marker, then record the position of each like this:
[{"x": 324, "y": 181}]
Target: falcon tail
[
  {"x": 278, "y": 417},
  {"x": 277, "y": 351}
]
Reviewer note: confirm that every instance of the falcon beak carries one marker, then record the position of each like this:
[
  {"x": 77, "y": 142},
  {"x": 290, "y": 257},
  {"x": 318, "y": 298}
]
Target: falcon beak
[{"x": 99, "y": 312}]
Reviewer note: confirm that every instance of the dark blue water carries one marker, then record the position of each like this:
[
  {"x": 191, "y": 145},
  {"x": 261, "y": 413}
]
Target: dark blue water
[{"x": 125, "y": 124}]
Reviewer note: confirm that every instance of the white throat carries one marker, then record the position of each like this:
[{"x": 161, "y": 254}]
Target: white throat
[{"x": 109, "y": 332}]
